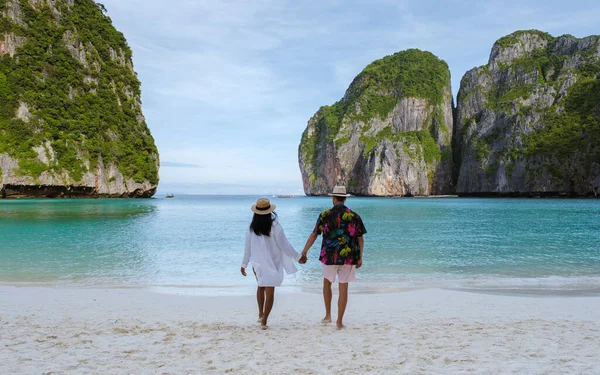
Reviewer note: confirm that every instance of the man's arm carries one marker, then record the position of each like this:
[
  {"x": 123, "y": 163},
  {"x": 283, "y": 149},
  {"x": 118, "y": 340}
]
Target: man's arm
[
  {"x": 361, "y": 243},
  {"x": 309, "y": 242}
]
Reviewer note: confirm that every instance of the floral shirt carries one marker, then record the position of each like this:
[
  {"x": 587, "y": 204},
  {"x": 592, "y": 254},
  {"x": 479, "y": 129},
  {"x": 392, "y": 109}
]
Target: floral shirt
[{"x": 340, "y": 227}]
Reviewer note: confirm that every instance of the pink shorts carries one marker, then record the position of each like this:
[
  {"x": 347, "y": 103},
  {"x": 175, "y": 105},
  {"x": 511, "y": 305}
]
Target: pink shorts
[{"x": 345, "y": 273}]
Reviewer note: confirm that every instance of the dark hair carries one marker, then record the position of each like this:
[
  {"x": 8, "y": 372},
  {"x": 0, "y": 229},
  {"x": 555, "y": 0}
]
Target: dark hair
[
  {"x": 340, "y": 199},
  {"x": 261, "y": 224}
]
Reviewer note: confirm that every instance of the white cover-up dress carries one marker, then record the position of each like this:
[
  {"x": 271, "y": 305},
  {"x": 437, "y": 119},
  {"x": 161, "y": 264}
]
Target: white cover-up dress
[{"x": 270, "y": 256}]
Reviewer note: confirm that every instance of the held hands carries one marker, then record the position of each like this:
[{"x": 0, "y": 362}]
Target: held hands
[
  {"x": 243, "y": 271},
  {"x": 359, "y": 263}
]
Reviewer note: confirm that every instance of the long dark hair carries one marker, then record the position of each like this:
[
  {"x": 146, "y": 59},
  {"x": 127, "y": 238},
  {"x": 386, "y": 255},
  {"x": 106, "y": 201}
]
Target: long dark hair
[{"x": 261, "y": 224}]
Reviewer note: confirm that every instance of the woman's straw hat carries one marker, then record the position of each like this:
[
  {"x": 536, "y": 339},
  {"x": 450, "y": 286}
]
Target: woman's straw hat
[
  {"x": 263, "y": 207},
  {"x": 339, "y": 191}
]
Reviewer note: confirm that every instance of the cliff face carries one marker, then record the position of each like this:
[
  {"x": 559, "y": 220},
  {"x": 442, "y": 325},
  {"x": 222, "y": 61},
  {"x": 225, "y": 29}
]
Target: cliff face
[
  {"x": 389, "y": 135},
  {"x": 71, "y": 122},
  {"x": 528, "y": 123}
]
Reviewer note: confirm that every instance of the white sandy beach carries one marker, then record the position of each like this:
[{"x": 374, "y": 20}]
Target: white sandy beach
[{"x": 134, "y": 331}]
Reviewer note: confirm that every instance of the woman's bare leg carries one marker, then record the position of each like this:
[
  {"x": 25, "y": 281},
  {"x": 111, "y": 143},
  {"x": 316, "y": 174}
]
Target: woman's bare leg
[
  {"x": 269, "y": 299},
  {"x": 260, "y": 299}
]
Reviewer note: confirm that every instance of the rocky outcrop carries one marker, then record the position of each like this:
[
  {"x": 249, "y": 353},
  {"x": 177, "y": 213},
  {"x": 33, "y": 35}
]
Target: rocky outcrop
[
  {"x": 11, "y": 42},
  {"x": 390, "y": 135},
  {"x": 101, "y": 182},
  {"x": 528, "y": 122},
  {"x": 71, "y": 123}
]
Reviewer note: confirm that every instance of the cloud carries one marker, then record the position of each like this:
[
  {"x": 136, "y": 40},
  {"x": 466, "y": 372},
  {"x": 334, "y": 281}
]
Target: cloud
[{"x": 178, "y": 165}]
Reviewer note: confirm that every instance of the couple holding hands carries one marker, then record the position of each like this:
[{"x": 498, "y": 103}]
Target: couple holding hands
[{"x": 270, "y": 253}]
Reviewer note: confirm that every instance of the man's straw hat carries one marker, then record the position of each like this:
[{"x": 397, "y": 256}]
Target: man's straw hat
[{"x": 339, "y": 191}]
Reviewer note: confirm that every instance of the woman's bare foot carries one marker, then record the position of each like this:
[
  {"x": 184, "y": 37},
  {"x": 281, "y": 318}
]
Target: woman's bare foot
[
  {"x": 326, "y": 320},
  {"x": 260, "y": 317},
  {"x": 340, "y": 325},
  {"x": 263, "y": 327}
]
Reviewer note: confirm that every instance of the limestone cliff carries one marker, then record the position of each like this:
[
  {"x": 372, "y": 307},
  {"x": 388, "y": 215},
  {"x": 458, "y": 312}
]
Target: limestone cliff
[
  {"x": 71, "y": 122},
  {"x": 528, "y": 122},
  {"x": 389, "y": 135}
]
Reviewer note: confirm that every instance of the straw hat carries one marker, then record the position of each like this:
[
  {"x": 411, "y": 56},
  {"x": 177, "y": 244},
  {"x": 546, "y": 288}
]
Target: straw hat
[
  {"x": 339, "y": 191},
  {"x": 263, "y": 207}
]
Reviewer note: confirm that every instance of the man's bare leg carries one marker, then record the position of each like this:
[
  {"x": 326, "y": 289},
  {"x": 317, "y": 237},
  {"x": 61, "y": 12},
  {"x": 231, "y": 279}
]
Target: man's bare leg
[
  {"x": 260, "y": 299},
  {"x": 327, "y": 296},
  {"x": 269, "y": 299},
  {"x": 342, "y": 302}
]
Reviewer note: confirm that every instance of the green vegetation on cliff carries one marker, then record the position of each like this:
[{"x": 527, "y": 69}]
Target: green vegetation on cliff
[
  {"x": 423, "y": 141},
  {"x": 540, "y": 67},
  {"x": 408, "y": 74},
  {"x": 509, "y": 40},
  {"x": 541, "y": 119},
  {"x": 570, "y": 133},
  {"x": 543, "y": 64},
  {"x": 375, "y": 92},
  {"x": 574, "y": 132},
  {"x": 86, "y": 108}
]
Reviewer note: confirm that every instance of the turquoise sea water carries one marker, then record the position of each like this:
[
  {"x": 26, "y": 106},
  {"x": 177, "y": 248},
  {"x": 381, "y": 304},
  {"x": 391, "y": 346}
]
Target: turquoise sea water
[{"x": 194, "y": 244}]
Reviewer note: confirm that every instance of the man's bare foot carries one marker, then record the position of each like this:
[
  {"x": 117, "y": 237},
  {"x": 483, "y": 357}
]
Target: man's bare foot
[
  {"x": 259, "y": 319},
  {"x": 263, "y": 327},
  {"x": 340, "y": 325},
  {"x": 326, "y": 320}
]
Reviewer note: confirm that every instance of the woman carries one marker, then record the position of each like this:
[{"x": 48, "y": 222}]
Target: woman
[{"x": 270, "y": 253}]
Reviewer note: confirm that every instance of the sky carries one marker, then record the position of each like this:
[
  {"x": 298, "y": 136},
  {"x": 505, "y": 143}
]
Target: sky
[{"x": 229, "y": 86}]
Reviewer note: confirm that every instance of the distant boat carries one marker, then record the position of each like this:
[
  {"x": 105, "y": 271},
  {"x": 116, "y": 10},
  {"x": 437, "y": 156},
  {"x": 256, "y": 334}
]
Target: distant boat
[
  {"x": 285, "y": 196},
  {"x": 170, "y": 196}
]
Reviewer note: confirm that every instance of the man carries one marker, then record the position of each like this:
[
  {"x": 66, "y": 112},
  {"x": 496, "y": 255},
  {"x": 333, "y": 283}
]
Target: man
[{"x": 341, "y": 251}]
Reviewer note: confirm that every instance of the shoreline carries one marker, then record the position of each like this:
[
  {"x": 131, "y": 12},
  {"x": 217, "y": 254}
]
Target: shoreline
[
  {"x": 483, "y": 195},
  {"x": 357, "y": 288},
  {"x": 515, "y": 195},
  {"x": 61, "y": 330}
]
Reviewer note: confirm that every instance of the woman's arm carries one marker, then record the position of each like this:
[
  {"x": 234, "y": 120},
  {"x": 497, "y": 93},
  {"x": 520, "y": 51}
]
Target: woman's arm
[
  {"x": 283, "y": 243},
  {"x": 246, "y": 254}
]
